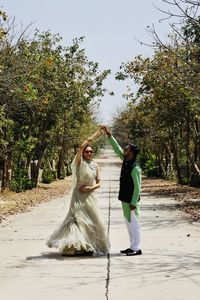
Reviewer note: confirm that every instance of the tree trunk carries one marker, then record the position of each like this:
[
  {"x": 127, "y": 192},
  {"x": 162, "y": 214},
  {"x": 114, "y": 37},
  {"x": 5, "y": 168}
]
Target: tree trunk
[
  {"x": 36, "y": 164},
  {"x": 176, "y": 159},
  {"x": 60, "y": 165},
  {"x": 194, "y": 158},
  {"x": 169, "y": 167},
  {"x": 195, "y": 168},
  {"x": 7, "y": 169},
  {"x": 188, "y": 145},
  {"x": 28, "y": 165},
  {"x": 63, "y": 151},
  {"x": 160, "y": 160}
]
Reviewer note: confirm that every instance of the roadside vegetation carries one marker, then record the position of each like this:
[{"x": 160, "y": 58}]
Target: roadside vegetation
[
  {"x": 50, "y": 93},
  {"x": 163, "y": 112}
]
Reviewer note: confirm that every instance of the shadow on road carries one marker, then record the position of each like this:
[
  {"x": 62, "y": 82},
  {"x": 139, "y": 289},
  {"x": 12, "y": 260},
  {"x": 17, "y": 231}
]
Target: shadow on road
[{"x": 58, "y": 256}]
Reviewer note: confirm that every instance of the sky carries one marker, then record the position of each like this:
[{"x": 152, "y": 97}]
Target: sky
[{"x": 111, "y": 29}]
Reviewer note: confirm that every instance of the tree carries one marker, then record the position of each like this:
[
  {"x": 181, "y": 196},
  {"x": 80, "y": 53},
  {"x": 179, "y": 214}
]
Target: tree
[
  {"x": 168, "y": 110},
  {"x": 47, "y": 91}
]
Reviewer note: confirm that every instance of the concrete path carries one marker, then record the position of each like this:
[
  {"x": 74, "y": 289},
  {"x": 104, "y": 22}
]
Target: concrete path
[{"x": 169, "y": 268}]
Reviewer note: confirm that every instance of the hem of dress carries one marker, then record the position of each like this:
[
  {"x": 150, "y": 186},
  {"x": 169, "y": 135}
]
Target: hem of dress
[{"x": 76, "y": 249}]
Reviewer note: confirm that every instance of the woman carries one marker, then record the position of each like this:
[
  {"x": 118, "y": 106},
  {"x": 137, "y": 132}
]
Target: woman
[{"x": 83, "y": 230}]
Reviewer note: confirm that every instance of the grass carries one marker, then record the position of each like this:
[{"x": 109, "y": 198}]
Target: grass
[{"x": 13, "y": 203}]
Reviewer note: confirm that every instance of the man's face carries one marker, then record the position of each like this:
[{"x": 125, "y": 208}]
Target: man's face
[{"x": 128, "y": 154}]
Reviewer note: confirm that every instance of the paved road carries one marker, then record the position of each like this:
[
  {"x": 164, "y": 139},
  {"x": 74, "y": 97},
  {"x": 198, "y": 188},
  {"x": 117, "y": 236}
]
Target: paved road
[{"x": 169, "y": 268}]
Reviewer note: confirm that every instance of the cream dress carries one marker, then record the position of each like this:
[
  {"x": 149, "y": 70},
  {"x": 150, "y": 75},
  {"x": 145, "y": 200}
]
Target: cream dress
[{"x": 83, "y": 229}]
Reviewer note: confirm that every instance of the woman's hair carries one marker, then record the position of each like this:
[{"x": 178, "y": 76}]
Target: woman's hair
[{"x": 86, "y": 147}]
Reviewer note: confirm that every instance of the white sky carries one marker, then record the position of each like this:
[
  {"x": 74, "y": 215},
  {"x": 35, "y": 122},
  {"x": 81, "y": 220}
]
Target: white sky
[{"x": 109, "y": 26}]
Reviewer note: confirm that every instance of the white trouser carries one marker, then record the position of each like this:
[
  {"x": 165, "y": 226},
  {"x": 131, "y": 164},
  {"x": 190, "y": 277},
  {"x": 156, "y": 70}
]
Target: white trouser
[{"x": 133, "y": 231}]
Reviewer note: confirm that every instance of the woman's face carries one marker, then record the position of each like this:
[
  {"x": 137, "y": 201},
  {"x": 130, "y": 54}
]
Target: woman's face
[{"x": 87, "y": 153}]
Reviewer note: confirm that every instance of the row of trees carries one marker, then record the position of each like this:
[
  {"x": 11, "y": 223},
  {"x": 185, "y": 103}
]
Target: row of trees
[
  {"x": 49, "y": 94},
  {"x": 48, "y": 97},
  {"x": 163, "y": 116}
]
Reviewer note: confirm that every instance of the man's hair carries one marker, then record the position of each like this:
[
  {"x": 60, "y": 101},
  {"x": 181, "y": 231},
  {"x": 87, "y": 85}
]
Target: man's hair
[{"x": 135, "y": 149}]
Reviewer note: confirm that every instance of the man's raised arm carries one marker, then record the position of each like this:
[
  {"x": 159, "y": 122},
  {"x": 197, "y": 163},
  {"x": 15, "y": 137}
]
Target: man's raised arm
[{"x": 116, "y": 147}]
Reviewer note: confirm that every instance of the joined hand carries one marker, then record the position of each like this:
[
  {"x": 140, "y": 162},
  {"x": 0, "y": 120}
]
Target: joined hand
[
  {"x": 85, "y": 188},
  {"x": 132, "y": 207}
]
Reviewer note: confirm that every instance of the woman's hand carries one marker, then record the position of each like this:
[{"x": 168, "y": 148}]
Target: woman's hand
[
  {"x": 95, "y": 135},
  {"x": 85, "y": 188}
]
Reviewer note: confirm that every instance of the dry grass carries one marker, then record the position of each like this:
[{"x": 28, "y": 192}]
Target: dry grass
[
  {"x": 188, "y": 197},
  {"x": 13, "y": 203}
]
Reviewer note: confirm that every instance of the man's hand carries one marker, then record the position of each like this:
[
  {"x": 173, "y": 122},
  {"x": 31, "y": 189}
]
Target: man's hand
[
  {"x": 85, "y": 188},
  {"x": 132, "y": 207},
  {"x": 105, "y": 129}
]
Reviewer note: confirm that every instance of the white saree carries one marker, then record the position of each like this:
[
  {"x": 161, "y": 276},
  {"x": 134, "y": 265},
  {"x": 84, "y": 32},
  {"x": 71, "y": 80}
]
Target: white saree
[{"x": 83, "y": 229}]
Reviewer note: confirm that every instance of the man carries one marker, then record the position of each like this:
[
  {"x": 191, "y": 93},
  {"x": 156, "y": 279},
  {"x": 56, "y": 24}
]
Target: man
[{"x": 129, "y": 192}]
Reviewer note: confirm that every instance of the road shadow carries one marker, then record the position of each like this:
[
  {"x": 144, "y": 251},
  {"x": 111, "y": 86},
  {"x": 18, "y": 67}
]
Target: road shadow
[
  {"x": 169, "y": 265},
  {"x": 61, "y": 257}
]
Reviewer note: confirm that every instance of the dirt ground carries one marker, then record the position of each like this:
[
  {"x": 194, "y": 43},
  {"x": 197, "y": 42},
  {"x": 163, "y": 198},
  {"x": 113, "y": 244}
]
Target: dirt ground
[
  {"x": 13, "y": 203},
  {"x": 188, "y": 197}
]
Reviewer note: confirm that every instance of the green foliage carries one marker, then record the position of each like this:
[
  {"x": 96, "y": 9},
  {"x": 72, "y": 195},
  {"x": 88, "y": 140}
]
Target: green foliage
[
  {"x": 21, "y": 183},
  {"x": 168, "y": 173},
  {"x": 49, "y": 93},
  {"x": 6, "y": 126},
  {"x": 191, "y": 30},
  {"x": 162, "y": 117},
  {"x": 3, "y": 19},
  {"x": 48, "y": 175},
  {"x": 150, "y": 167}
]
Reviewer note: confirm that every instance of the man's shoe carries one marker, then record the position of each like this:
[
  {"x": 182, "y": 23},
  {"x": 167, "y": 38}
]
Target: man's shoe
[
  {"x": 133, "y": 252},
  {"x": 126, "y": 251}
]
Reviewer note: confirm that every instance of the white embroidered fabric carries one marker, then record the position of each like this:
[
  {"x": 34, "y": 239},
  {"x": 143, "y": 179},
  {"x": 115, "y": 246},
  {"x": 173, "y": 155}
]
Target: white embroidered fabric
[{"x": 83, "y": 229}]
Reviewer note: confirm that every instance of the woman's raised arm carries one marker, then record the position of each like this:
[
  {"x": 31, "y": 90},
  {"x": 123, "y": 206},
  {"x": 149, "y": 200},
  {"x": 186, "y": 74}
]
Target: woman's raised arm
[{"x": 94, "y": 136}]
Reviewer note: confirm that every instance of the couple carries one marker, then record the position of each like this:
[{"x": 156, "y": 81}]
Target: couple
[{"x": 83, "y": 231}]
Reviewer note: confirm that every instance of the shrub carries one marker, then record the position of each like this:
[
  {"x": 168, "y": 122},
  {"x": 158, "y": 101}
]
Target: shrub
[
  {"x": 48, "y": 175},
  {"x": 21, "y": 183}
]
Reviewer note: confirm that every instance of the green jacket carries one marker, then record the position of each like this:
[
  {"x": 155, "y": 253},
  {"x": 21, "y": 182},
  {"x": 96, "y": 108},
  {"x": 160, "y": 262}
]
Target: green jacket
[{"x": 136, "y": 175}]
